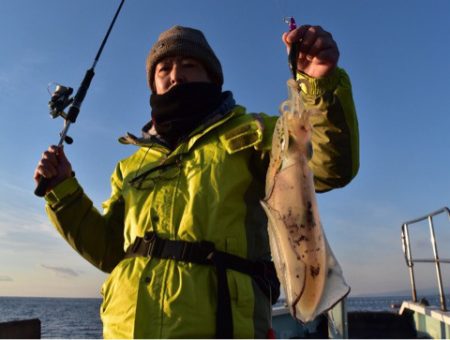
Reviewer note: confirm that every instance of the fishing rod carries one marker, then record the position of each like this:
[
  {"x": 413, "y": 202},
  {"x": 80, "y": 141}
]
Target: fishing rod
[{"x": 60, "y": 99}]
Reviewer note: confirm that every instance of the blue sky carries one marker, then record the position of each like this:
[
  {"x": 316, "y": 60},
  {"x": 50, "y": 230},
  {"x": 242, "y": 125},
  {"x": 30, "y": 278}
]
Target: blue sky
[{"x": 396, "y": 53}]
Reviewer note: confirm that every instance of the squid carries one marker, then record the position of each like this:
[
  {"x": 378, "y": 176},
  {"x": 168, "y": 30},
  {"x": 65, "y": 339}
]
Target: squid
[{"x": 305, "y": 264}]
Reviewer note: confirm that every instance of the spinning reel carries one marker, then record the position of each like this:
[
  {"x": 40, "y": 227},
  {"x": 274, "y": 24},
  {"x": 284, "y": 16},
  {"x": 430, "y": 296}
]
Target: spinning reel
[{"x": 60, "y": 99}]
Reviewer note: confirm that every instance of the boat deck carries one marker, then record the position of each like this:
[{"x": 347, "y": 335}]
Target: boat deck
[{"x": 430, "y": 321}]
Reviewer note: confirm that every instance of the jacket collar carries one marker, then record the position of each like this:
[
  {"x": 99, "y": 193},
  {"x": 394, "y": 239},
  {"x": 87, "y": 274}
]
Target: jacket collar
[{"x": 151, "y": 139}]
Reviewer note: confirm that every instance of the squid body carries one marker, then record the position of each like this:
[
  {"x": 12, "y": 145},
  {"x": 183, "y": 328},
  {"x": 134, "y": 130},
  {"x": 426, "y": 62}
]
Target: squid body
[{"x": 308, "y": 271}]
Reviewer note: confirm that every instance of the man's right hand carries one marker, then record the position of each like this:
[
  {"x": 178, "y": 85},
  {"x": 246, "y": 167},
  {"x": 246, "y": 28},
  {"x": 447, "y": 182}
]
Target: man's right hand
[
  {"x": 54, "y": 166},
  {"x": 319, "y": 53}
]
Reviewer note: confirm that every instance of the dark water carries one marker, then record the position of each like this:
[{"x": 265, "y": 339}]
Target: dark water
[
  {"x": 79, "y": 318},
  {"x": 60, "y": 317}
]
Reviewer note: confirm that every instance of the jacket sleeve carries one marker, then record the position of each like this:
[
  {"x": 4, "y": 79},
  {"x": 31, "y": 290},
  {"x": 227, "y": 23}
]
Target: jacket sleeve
[
  {"x": 335, "y": 137},
  {"x": 95, "y": 236}
]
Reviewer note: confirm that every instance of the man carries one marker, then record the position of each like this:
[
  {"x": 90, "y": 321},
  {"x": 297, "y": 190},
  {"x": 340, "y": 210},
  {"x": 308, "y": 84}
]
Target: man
[{"x": 183, "y": 233}]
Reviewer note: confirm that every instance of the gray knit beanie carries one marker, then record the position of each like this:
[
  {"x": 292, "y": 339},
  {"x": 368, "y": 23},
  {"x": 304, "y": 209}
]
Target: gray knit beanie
[{"x": 185, "y": 42}]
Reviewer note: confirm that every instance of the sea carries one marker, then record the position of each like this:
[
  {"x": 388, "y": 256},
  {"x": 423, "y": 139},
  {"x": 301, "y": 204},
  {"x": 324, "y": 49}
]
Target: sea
[{"x": 74, "y": 318}]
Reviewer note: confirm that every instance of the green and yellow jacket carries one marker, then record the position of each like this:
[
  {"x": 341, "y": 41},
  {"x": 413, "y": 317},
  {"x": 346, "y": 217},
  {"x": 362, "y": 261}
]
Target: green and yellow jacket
[{"x": 208, "y": 188}]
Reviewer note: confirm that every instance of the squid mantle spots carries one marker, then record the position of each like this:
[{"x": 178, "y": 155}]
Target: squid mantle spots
[
  {"x": 309, "y": 215},
  {"x": 293, "y": 227},
  {"x": 314, "y": 271},
  {"x": 289, "y": 212},
  {"x": 300, "y": 239}
]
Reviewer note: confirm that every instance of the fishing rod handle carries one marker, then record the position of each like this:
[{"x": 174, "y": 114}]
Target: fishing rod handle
[
  {"x": 42, "y": 186},
  {"x": 43, "y": 182}
]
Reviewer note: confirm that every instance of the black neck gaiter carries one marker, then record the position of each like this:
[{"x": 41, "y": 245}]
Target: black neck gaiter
[{"x": 179, "y": 111}]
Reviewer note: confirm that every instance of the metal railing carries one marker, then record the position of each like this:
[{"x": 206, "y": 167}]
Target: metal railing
[{"x": 436, "y": 260}]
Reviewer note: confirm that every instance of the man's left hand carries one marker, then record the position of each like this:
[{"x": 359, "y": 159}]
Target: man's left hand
[{"x": 318, "y": 52}]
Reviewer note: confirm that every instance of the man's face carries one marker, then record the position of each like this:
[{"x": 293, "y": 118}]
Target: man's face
[{"x": 172, "y": 71}]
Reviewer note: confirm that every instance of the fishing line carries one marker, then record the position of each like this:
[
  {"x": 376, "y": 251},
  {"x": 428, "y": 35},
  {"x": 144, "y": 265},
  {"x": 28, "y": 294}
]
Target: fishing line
[{"x": 282, "y": 8}]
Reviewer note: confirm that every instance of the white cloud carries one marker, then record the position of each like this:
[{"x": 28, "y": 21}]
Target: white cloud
[
  {"x": 23, "y": 223},
  {"x": 62, "y": 271},
  {"x": 5, "y": 278}
]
